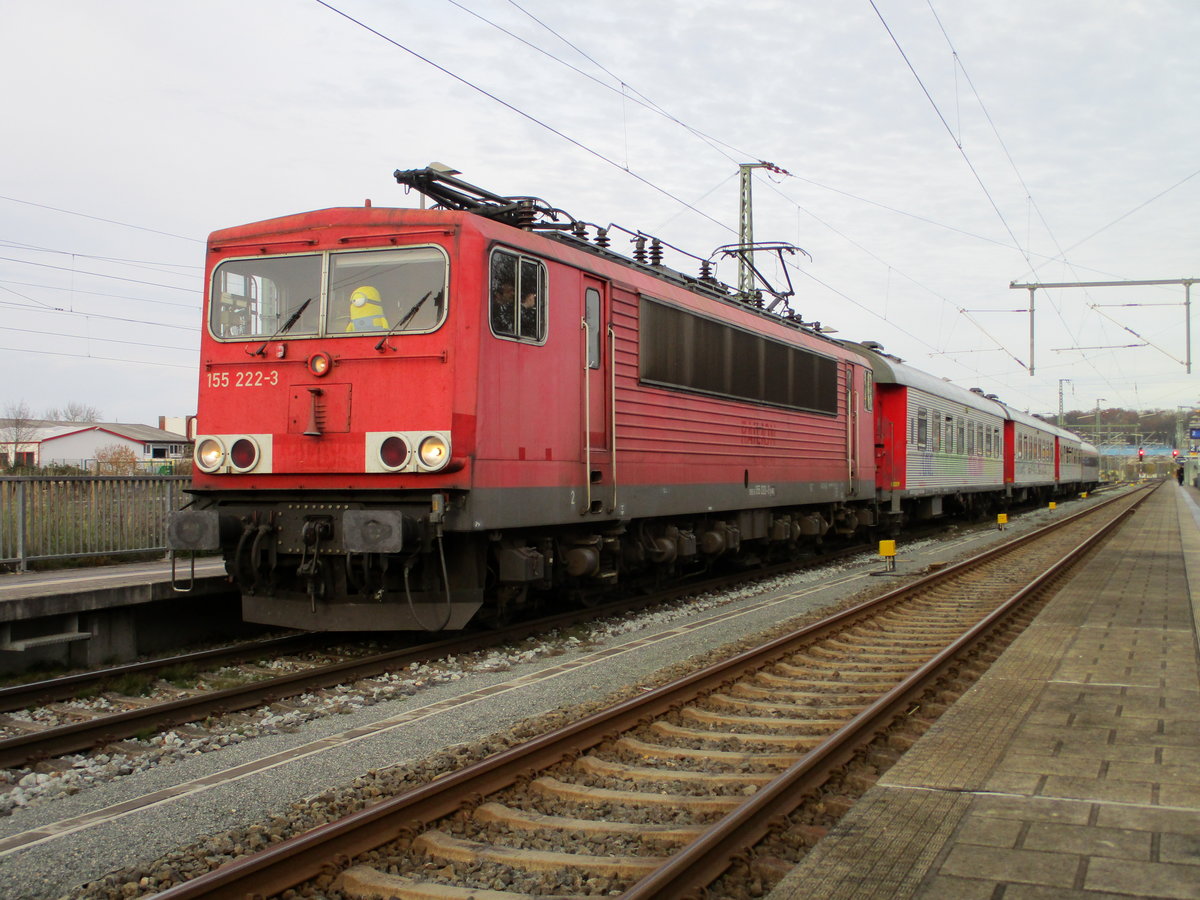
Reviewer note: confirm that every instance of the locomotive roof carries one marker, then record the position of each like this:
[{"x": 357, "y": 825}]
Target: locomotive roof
[{"x": 372, "y": 219}]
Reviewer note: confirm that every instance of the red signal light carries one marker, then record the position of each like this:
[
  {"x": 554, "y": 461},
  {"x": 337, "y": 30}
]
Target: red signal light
[
  {"x": 243, "y": 453},
  {"x": 1141, "y": 453}
]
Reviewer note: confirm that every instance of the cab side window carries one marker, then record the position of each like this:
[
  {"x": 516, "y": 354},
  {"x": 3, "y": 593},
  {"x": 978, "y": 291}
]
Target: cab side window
[{"x": 517, "y": 306}]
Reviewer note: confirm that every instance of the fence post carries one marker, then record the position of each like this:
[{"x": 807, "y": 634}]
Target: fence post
[{"x": 22, "y": 563}]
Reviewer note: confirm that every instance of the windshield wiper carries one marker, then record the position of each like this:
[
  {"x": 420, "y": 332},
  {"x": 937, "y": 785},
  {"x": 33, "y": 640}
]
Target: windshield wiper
[
  {"x": 292, "y": 320},
  {"x": 407, "y": 318}
]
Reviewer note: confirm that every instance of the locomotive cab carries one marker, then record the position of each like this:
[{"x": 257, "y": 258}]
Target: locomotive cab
[{"x": 330, "y": 335}]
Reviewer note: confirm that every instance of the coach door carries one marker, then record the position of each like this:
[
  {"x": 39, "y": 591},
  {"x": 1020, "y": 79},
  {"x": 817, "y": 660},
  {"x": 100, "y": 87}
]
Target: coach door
[{"x": 600, "y": 491}]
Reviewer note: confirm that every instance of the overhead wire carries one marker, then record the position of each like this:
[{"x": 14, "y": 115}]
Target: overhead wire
[
  {"x": 71, "y": 212},
  {"x": 655, "y": 107},
  {"x": 71, "y": 312},
  {"x": 647, "y": 103},
  {"x": 966, "y": 157},
  {"x": 121, "y": 359},
  {"x": 957, "y": 142},
  {"x": 75, "y": 290},
  {"x": 1126, "y": 215},
  {"x": 1017, "y": 244},
  {"x": 640, "y": 99},
  {"x": 959, "y": 65},
  {"x": 92, "y": 337},
  {"x": 1061, "y": 254},
  {"x": 163, "y": 268},
  {"x": 171, "y": 287},
  {"x": 525, "y": 115}
]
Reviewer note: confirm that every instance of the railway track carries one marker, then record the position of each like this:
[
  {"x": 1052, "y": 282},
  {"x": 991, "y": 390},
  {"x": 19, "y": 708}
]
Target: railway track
[
  {"x": 92, "y": 709},
  {"x": 68, "y": 687},
  {"x": 654, "y": 797}
]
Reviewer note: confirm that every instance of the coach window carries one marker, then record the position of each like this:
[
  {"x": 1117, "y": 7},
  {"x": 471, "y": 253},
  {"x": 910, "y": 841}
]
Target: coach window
[
  {"x": 264, "y": 297},
  {"x": 922, "y": 429},
  {"x": 517, "y": 306}
]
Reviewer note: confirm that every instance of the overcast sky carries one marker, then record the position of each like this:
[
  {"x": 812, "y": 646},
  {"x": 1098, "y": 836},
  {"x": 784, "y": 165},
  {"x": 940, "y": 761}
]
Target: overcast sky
[{"x": 937, "y": 152}]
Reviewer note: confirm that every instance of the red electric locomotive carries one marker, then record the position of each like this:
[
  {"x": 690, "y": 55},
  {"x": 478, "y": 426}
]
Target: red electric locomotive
[{"x": 409, "y": 418}]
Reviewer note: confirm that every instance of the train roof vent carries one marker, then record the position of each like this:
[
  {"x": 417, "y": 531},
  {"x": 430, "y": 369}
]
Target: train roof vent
[
  {"x": 993, "y": 397},
  {"x": 976, "y": 390},
  {"x": 873, "y": 345}
]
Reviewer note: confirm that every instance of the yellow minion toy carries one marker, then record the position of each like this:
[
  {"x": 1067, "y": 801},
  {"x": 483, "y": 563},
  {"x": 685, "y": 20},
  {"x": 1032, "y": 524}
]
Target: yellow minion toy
[{"x": 366, "y": 310}]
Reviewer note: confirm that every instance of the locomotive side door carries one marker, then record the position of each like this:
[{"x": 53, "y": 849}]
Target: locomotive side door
[
  {"x": 597, "y": 402},
  {"x": 852, "y": 423}
]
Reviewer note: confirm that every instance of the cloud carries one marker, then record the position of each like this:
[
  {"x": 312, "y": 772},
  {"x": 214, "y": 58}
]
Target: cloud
[{"x": 189, "y": 118}]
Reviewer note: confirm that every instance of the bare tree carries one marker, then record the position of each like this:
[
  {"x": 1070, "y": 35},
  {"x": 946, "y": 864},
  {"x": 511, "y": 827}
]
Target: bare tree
[
  {"x": 116, "y": 459},
  {"x": 74, "y": 412},
  {"x": 18, "y": 431}
]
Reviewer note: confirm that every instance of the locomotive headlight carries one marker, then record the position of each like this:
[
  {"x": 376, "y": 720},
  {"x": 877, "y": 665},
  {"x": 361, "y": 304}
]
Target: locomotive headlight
[
  {"x": 210, "y": 454},
  {"x": 433, "y": 451}
]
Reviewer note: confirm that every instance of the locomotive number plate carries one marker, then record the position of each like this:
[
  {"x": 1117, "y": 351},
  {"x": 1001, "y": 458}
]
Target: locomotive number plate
[{"x": 244, "y": 379}]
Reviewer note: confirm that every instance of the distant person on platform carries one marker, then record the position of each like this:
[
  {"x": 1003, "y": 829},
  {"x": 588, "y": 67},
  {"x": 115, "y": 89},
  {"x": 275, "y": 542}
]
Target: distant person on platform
[{"x": 1179, "y": 474}]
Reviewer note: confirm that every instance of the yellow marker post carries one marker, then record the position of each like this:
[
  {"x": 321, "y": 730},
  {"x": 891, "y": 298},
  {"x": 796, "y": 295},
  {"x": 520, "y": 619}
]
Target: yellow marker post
[
  {"x": 887, "y": 549},
  {"x": 1053, "y": 506},
  {"x": 1083, "y": 496},
  {"x": 1001, "y": 520}
]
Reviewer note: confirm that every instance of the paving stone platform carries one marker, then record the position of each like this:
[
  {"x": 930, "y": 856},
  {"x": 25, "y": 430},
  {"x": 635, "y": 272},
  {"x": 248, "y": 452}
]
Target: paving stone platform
[{"x": 1071, "y": 770}]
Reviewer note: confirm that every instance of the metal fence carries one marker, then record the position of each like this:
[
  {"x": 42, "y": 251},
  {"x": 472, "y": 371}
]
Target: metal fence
[{"x": 45, "y": 517}]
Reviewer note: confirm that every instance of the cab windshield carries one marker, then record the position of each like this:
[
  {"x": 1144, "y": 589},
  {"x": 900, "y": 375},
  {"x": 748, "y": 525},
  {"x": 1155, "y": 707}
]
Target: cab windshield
[
  {"x": 255, "y": 298},
  {"x": 386, "y": 290},
  {"x": 372, "y": 291}
]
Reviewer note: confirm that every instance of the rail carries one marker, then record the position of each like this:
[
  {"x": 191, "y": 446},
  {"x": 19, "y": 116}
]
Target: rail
[
  {"x": 288, "y": 863},
  {"x": 59, "y": 517}
]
